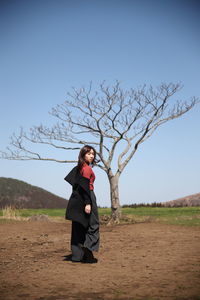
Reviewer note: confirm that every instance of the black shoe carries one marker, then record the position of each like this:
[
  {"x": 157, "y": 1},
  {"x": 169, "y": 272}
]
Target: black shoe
[
  {"x": 68, "y": 257},
  {"x": 87, "y": 254},
  {"x": 89, "y": 260}
]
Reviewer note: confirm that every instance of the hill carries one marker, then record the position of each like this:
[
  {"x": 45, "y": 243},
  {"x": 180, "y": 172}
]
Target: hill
[
  {"x": 23, "y": 195},
  {"x": 192, "y": 200}
]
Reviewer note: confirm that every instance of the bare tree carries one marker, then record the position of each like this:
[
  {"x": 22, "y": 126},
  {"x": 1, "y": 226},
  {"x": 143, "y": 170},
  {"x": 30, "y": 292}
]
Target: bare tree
[{"x": 111, "y": 119}]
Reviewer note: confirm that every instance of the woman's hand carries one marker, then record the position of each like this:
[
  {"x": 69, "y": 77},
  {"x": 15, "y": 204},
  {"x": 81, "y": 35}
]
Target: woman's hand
[{"x": 88, "y": 209}]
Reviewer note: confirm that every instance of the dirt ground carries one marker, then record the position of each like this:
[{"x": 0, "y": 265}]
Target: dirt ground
[{"x": 135, "y": 261}]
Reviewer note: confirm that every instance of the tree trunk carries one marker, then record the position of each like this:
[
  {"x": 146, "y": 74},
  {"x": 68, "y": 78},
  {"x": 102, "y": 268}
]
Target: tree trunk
[{"x": 114, "y": 196}]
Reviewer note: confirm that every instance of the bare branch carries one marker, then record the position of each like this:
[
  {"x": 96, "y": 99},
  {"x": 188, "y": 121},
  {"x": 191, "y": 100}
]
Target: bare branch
[
  {"x": 176, "y": 112},
  {"x": 128, "y": 147},
  {"x": 29, "y": 155},
  {"x": 109, "y": 115}
]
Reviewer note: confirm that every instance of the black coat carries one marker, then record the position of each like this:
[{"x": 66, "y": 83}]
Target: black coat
[{"x": 80, "y": 196}]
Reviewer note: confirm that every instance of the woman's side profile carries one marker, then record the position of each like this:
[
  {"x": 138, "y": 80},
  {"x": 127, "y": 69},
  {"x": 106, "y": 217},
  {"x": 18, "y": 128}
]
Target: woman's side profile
[{"x": 82, "y": 208}]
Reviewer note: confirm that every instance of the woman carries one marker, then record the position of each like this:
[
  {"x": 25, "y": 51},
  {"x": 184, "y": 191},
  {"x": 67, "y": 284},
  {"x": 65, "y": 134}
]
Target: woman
[{"x": 82, "y": 208}]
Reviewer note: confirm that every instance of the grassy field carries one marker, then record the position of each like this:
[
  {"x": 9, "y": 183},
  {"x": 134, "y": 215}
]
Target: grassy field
[{"x": 188, "y": 216}]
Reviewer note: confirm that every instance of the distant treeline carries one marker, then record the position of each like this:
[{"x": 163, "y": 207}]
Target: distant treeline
[
  {"x": 160, "y": 204},
  {"x": 154, "y": 204},
  {"x": 134, "y": 205}
]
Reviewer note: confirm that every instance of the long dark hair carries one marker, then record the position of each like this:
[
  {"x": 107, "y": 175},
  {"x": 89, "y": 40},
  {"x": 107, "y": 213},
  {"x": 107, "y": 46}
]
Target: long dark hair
[{"x": 81, "y": 157}]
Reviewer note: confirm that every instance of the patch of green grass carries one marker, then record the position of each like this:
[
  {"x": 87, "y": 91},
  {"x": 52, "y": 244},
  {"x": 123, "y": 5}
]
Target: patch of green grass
[
  {"x": 45, "y": 211},
  {"x": 187, "y": 216},
  {"x": 162, "y": 211},
  {"x": 104, "y": 211}
]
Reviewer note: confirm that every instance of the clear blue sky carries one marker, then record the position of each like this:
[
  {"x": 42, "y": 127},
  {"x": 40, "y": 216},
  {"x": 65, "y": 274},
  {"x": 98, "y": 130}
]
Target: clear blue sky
[{"x": 46, "y": 47}]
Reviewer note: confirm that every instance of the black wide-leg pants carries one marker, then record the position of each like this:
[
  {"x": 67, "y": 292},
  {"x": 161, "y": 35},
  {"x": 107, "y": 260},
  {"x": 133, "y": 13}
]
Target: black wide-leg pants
[{"x": 85, "y": 237}]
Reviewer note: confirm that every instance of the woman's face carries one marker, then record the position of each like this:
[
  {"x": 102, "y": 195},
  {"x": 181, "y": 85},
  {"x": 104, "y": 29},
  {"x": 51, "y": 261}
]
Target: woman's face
[{"x": 89, "y": 156}]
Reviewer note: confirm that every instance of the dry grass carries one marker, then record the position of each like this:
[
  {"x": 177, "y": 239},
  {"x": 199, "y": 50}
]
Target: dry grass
[{"x": 10, "y": 212}]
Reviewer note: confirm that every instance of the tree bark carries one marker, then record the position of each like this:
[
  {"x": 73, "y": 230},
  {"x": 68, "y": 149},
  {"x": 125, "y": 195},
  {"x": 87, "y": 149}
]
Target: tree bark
[{"x": 114, "y": 196}]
